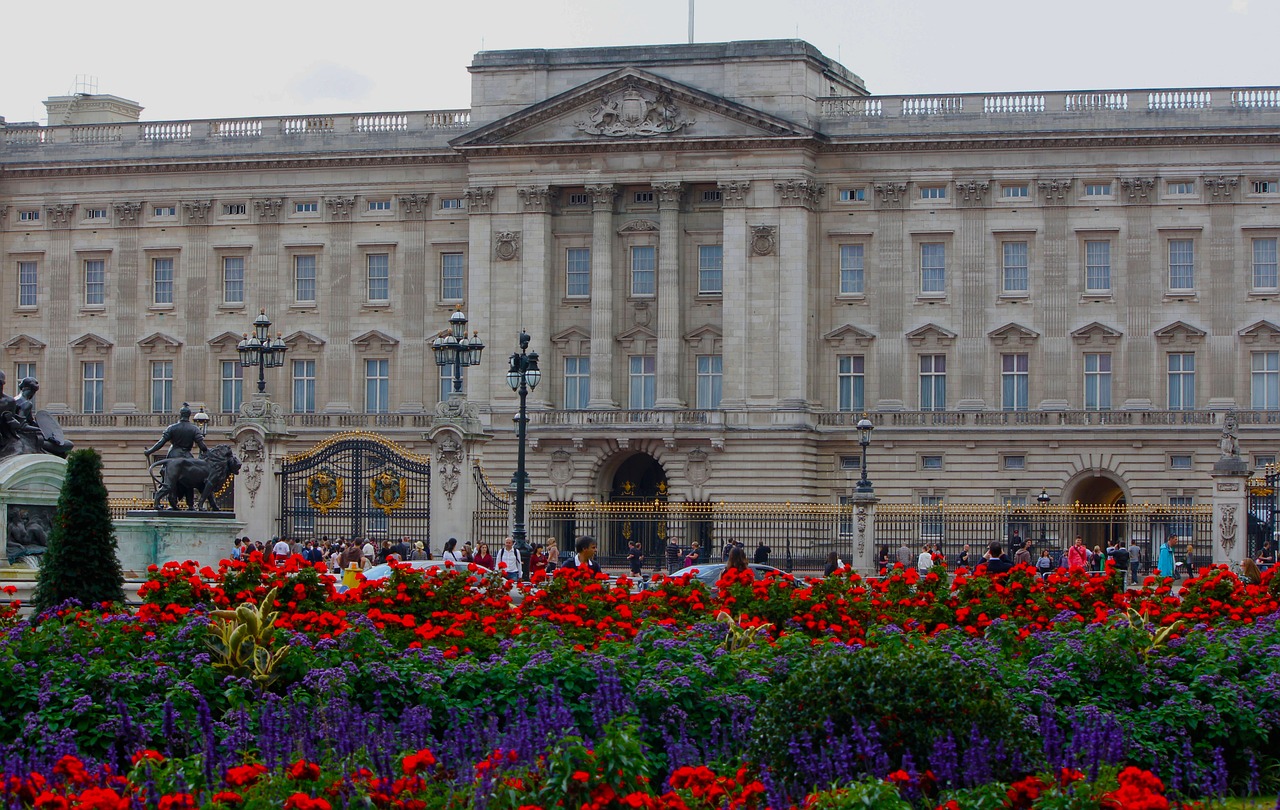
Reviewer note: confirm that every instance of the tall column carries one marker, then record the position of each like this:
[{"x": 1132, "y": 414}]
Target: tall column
[
  {"x": 342, "y": 292},
  {"x": 1140, "y": 284},
  {"x": 486, "y": 307},
  {"x": 797, "y": 199},
  {"x": 1052, "y": 291},
  {"x": 535, "y": 248},
  {"x": 1226, "y": 276},
  {"x": 412, "y": 362},
  {"x": 602, "y": 197},
  {"x": 1230, "y": 498},
  {"x": 130, "y": 305},
  {"x": 736, "y": 293},
  {"x": 894, "y": 364},
  {"x": 972, "y": 291},
  {"x": 670, "y": 320},
  {"x": 64, "y": 274}
]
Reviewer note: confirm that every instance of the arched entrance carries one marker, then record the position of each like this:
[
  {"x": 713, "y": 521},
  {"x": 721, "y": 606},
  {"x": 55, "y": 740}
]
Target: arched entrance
[
  {"x": 1101, "y": 519},
  {"x": 636, "y": 492}
]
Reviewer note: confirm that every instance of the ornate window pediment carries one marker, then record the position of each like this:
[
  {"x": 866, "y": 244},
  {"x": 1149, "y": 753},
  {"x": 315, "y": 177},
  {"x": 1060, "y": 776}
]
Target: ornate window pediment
[
  {"x": 931, "y": 334},
  {"x": 1097, "y": 334},
  {"x": 90, "y": 343},
  {"x": 573, "y": 341},
  {"x": 1264, "y": 332},
  {"x": 1180, "y": 332},
  {"x": 225, "y": 342},
  {"x": 375, "y": 340},
  {"x": 304, "y": 340},
  {"x": 638, "y": 226},
  {"x": 24, "y": 344},
  {"x": 160, "y": 343},
  {"x": 638, "y": 340},
  {"x": 848, "y": 337},
  {"x": 1013, "y": 334},
  {"x": 706, "y": 339}
]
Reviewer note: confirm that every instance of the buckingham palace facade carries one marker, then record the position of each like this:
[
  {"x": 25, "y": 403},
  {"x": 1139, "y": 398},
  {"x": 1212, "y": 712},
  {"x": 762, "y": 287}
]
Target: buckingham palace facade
[{"x": 725, "y": 255}]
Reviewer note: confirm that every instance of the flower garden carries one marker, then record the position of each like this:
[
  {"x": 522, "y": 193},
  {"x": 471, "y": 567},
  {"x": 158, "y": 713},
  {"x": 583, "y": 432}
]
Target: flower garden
[{"x": 259, "y": 686}]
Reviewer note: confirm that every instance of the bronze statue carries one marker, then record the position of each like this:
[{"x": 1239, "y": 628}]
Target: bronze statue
[
  {"x": 182, "y": 476},
  {"x": 181, "y": 436},
  {"x": 23, "y": 429}
]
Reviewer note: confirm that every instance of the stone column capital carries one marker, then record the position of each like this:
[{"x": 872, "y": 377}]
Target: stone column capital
[
  {"x": 803, "y": 193},
  {"x": 669, "y": 195},
  {"x": 602, "y": 196},
  {"x": 479, "y": 199},
  {"x": 733, "y": 193},
  {"x": 535, "y": 199}
]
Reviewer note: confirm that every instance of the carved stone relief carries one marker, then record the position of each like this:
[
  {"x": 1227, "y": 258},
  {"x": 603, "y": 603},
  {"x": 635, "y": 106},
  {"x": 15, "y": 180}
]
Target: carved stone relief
[
  {"x": 340, "y": 207},
  {"x": 733, "y": 193},
  {"x": 268, "y": 210},
  {"x": 764, "y": 240},
  {"x": 633, "y": 113},
  {"x": 197, "y": 211},
  {"x": 805, "y": 193},
  {"x": 506, "y": 245},
  {"x": 479, "y": 200},
  {"x": 890, "y": 195},
  {"x": 415, "y": 205},
  {"x": 534, "y": 198},
  {"x": 252, "y": 456},
  {"x": 696, "y": 468},
  {"x": 449, "y": 465},
  {"x": 61, "y": 213},
  {"x": 602, "y": 195},
  {"x": 861, "y": 513},
  {"x": 1221, "y": 189},
  {"x": 1227, "y": 527},
  {"x": 669, "y": 194},
  {"x": 1054, "y": 192},
  {"x": 1137, "y": 188},
  {"x": 127, "y": 212},
  {"x": 560, "y": 468},
  {"x": 972, "y": 192}
]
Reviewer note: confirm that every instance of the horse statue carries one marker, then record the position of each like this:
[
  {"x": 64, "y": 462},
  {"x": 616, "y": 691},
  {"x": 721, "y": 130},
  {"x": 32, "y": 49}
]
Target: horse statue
[{"x": 194, "y": 480}]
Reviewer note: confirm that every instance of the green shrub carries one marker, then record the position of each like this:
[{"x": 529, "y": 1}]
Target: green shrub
[{"x": 81, "y": 562}]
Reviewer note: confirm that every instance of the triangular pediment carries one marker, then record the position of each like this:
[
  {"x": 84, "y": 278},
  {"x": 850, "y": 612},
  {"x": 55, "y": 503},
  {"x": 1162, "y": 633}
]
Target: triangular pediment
[
  {"x": 159, "y": 341},
  {"x": 304, "y": 339},
  {"x": 1096, "y": 333},
  {"x": 91, "y": 342},
  {"x": 1013, "y": 334},
  {"x": 572, "y": 340},
  {"x": 226, "y": 341},
  {"x": 1180, "y": 331},
  {"x": 705, "y": 339},
  {"x": 638, "y": 340},
  {"x": 24, "y": 343},
  {"x": 634, "y": 106},
  {"x": 375, "y": 339},
  {"x": 849, "y": 336},
  {"x": 931, "y": 333},
  {"x": 1263, "y": 331}
]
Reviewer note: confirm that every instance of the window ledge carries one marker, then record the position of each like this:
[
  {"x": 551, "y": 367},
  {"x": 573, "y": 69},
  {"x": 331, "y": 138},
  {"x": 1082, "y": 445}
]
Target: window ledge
[
  {"x": 93, "y": 308},
  {"x": 376, "y": 305},
  {"x": 1189, "y": 295},
  {"x": 575, "y": 300},
  {"x": 230, "y": 307},
  {"x": 931, "y": 298},
  {"x": 161, "y": 308},
  {"x": 27, "y": 310},
  {"x": 852, "y": 298},
  {"x": 1264, "y": 295},
  {"x": 449, "y": 304},
  {"x": 1095, "y": 296},
  {"x": 1014, "y": 297},
  {"x": 303, "y": 305},
  {"x": 712, "y": 296}
]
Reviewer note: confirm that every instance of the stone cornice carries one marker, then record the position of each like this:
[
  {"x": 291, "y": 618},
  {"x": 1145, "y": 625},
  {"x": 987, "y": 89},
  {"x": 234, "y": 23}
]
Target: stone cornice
[{"x": 231, "y": 164}]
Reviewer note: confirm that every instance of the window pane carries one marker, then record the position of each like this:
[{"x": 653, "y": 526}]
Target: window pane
[
  {"x": 95, "y": 282},
  {"x": 1097, "y": 263},
  {"x": 232, "y": 386},
  {"x": 933, "y": 267},
  {"x": 451, "y": 276},
  {"x": 850, "y": 382},
  {"x": 304, "y": 278},
  {"x": 1181, "y": 264},
  {"x": 1014, "y": 382},
  {"x": 578, "y": 272},
  {"x": 643, "y": 264},
  {"x": 642, "y": 382},
  {"x": 27, "y": 284},
  {"x": 852, "y": 278},
  {"x": 93, "y": 376},
  {"x": 1015, "y": 267},
  {"x": 161, "y": 386},
  {"x": 710, "y": 268},
  {"x": 377, "y": 385},
  {"x": 304, "y": 386},
  {"x": 233, "y": 280},
  {"x": 577, "y": 382},
  {"x": 162, "y": 281},
  {"x": 710, "y": 377},
  {"x": 1264, "y": 263},
  {"x": 379, "y": 270},
  {"x": 1265, "y": 380}
]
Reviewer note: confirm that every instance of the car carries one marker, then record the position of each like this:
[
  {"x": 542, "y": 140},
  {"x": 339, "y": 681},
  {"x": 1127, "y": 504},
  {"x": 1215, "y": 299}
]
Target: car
[
  {"x": 709, "y": 573},
  {"x": 378, "y": 573}
]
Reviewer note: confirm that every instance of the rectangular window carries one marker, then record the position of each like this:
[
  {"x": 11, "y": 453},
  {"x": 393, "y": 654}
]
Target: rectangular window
[
  {"x": 164, "y": 211},
  {"x": 93, "y": 386},
  {"x": 232, "y": 388},
  {"x": 1259, "y": 461},
  {"x": 851, "y": 383},
  {"x": 1265, "y": 186},
  {"x": 1009, "y": 192},
  {"x": 848, "y": 522},
  {"x": 1264, "y": 379},
  {"x": 710, "y": 269},
  {"x": 95, "y": 213},
  {"x": 379, "y": 205},
  {"x": 1181, "y": 187},
  {"x": 304, "y": 386},
  {"x": 643, "y": 264},
  {"x": 22, "y": 370},
  {"x": 304, "y": 279},
  {"x": 1016, "y": 275},
  {"x": 1015, "y": 462},
  {"x": 306, "y": 208},
  {"x": 852, "y": 270},
  {"x": 451, "y": 276},
  {"x": 451, "y": 202},
  {"x": 577, "y": 273},
  {"x": 378, "y": 275},
  {"x": 1097, "y": 382},
  {"x": 1014, "y": 379},
  {"x": 28, "y": 216},
  {"x": 933, "y": 382},
  {"x": 95, "y": 282},
  {"x": 712, "y": 196},
  {"x": 1182, "y": 382},
  {"x": 162, "y": 281},
  {"x": 1179, "y": 462},
  {"x": 851, "y": 462},
  {"x": 446, "y": 381},
  {"x": 579, "y": 199},
  {"x": 233, "y": 279},
  {"x": 1264, "y": 263},
  {"x": 577, "y": 382},
  {"x": 933, "y": 192},
  {"x": 643, "y": 197},
  {"x": 1097, "y": 189},
  {"x": 377, "y": 386},
  {"x": 1182, "y": 264},
  {"x": 710, "y": 381},
  {"x": 1182, "y": 524},
  {"x": 643, "y": 382},
  {"x": 933, "y": 267},
  {"x": 931, "y": 462},
  {"x": 28, "y": 284},
  {"x": 853, "y": 194},
  {"x": 161, "y": 386},
  {"x": 234, "y": 209},
  {"x": 931, "y": 523},
  {"x": 1097, "y": 266}
]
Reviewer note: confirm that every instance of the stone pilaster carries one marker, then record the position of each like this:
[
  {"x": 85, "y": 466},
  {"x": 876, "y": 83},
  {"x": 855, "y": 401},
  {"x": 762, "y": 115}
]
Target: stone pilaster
[
  {"x": 797, "y": 200},
  {"x": 863, "y": 555},
  {"x": 128, "y": 300},
  {"x": 670, "y": 329},
  {"x": 893, "y": 364},
  {"x": 1138, "y": 283},
  {"x": 1050, "y": 292},
  {"x": 971, "y": 287},
  {"x": 344, "y": 289},
  {"x": 260, "y": 440},
  {"x": 456, "y": 444},
  {"x": 486, "y": 307},
  {"x": 602, "y": 327},
  {"x": 1230, "y": 511},
  {"x": 414, "y": 362},
  {"x": 535, "y": 249},
  {"x": 736, "y": 292},
  {"x": 1222, "y": 275}
]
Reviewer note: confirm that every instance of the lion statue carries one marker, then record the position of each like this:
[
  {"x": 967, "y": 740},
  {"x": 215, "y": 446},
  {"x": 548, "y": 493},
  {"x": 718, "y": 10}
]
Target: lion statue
[{"x": 194, "y": 479}]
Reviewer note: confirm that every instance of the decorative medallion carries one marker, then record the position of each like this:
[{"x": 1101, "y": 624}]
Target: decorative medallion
[
  {"x": 506, "y": 245},
  {"x": 387, "y": 492},
  {"x": 632, "y": 113},
  {"x": 449, "y": 463},
  {"x": 252, "y": 454},
  {"x": 695, "y": 468},
  {"x": 1227, "y": 527},
  {"x": 560, "y": 469},
  {"x": 324, "y": 490},
  {"x": 764, "y": 240}
]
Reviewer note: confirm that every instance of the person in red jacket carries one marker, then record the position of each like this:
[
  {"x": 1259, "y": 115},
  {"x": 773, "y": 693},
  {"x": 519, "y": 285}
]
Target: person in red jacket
[{"x": 1078, "y": 554}]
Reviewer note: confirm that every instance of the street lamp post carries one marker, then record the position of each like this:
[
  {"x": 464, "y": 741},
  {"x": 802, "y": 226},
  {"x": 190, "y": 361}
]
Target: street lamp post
[
  {"x": 1043, "y": 500},
  {"x": 864, "y": 441},
  {"x": 261, "y": 350},
  {"x": 453, "y": 348},
  {"x": 523, "y": 375}
]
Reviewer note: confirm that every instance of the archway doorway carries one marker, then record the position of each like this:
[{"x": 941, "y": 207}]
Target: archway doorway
[
  {"x": 1101, "y": 519},
  {"x": 637, "y": 496}
]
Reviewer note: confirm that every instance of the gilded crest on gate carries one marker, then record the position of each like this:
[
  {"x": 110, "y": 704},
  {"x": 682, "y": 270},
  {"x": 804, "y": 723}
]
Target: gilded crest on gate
[
  {"x": 387, "y": 492},
  {"x": 324, "y": 490}
]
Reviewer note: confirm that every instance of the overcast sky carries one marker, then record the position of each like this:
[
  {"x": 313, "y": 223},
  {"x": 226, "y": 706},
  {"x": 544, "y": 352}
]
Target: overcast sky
[{"x": 277, "y": 57}]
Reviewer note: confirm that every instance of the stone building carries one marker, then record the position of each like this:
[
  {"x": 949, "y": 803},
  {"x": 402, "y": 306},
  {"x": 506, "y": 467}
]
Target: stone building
[{"x": 724, "y": 253}]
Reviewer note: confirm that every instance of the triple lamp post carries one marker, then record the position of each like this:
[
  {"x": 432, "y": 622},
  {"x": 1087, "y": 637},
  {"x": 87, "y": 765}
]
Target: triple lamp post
[{"x": 261, "y": 349}]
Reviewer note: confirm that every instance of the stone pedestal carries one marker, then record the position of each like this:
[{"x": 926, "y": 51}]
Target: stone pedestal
[
  {"x": 456, "y": 437},
  {"x": 260, "y": 438},
  {"x": 1230, "y": 511},
  {"x": 29, "y": 489},
  {"x": 864, "y": 532},
  {"x": 148, "y": 537}
]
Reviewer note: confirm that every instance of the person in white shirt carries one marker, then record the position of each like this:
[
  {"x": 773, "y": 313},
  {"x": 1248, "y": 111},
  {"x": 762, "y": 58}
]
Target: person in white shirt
[
  {"x": 926, "y": 560},
  {"x": 507, "y": 560},
  {"x": 281, "y": 548},
  {"x": 450, "y": 553},
  {"x": 367, "y": 551}
]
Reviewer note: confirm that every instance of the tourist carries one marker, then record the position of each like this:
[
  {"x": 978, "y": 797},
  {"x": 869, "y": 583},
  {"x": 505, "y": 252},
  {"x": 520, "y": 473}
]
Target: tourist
[
  {"x": 419, "y": 552},
  {"x": 925, "y": 561},
  {"x": 482, "y": 557},
  {"x": 351, "y": 556},
  {"x": 1189, "y": 559},
  {"x": 468, "y": 555},
  {"x": 586, "y": 555},
  {"x": 694, "y": 556},
  {"x": 994, "y": 560},
  {"x": 737, "y": 559},
  {"x": 367, "y": 551},
  {"x": 235, "y": 549},
  {"x": 635, "y": 557},
  {"x": 1165, "y": 562},
  {"x": 508, "y": 560},
  {"x": 1021, "y": 554},
  {"x": 1135, "y": 553},
  {"x": 1078, "y": 555},
  {"x": 883, "y": 562},
  {"x": 905, "y": 555},
  {"x": 1044, "y": 565},
  {"x": 537, "y": 560},
  {"x": 403, "y": 548},
  {"x": 281, "y": 550},
  {"x": 962, "y": 561},
  {"x": 833, "y": 564},
  {"x": 673, "y": 555},
  {"x": 451, "y": 556},
  {"x": 761, "y": 557},
  {"x": 1120, "y": 556}
]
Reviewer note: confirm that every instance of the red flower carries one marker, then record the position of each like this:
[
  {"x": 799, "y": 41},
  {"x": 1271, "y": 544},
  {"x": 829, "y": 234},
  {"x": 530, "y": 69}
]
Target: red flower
[
  {"x": 51, "y": 801},
  {"x": 418, "y": 762},
  {"x": 245, "y": 775},
  {"x": 581, "y": 776},
  {"x": 303, "y": 770},
  {"x": 177, "y": 801},
  {"x": 301, "y": 801},
  {"x": 227, "y": 797},
  {"x": 101, "y": 799},
  {"x": 148, "y": 755}
]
